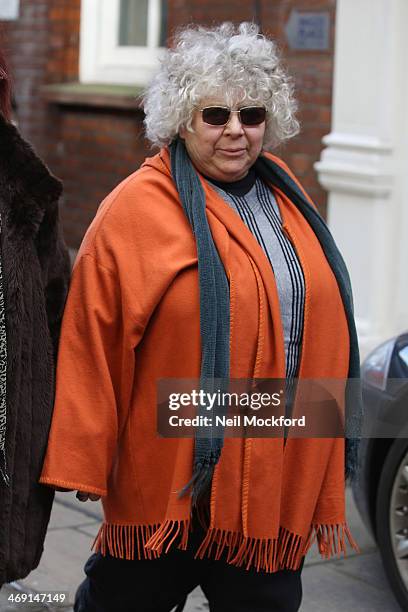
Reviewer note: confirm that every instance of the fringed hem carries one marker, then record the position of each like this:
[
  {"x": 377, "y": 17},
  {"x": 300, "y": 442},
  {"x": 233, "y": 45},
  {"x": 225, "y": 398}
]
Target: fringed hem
[
  {"x": 169, "y": 530},
  {"x": 331, "y": 539},
  {"x": 284, "y": 552},
  {"x": 142, "y": 541}
]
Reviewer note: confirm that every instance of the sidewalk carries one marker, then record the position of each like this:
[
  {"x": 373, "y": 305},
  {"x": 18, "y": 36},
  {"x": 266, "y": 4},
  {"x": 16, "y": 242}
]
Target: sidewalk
[{"x": 338, "y": 585}]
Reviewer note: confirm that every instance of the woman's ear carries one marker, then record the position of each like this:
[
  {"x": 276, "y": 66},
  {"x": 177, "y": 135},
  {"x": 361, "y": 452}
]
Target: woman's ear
[{"x": 182, "y": 132}]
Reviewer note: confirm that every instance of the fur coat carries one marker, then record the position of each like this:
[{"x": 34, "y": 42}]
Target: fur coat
[{"x": 35, "y": 266}]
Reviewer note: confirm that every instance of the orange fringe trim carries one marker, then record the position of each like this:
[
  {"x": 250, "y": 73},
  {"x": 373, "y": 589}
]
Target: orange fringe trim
[
  {"x": 147, "y": 541},
  {"x": 331, "y": 539},
  {"x": 284, "y": 552}
]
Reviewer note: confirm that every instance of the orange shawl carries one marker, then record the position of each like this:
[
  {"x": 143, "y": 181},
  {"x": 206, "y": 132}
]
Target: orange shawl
[{"x": 132, "y": 317}]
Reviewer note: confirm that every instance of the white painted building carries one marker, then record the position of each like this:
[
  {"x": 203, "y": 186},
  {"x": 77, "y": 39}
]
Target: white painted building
[{"x": 365, "y": 165}]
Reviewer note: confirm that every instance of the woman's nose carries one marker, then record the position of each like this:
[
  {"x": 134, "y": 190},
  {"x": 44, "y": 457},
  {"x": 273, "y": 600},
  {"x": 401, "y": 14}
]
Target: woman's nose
[{"x": 234, "y": 125}]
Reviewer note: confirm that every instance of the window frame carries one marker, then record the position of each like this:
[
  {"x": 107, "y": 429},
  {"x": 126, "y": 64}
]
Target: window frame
[{"x": 102, "y": 60}]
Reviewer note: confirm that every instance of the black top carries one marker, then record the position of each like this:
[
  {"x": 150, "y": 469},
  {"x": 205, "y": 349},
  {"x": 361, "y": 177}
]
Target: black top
[{"x": 237, "y": 188}]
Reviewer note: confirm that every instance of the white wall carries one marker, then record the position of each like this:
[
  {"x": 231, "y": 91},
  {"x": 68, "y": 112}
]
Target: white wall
[{"x": 364, "y": 166}]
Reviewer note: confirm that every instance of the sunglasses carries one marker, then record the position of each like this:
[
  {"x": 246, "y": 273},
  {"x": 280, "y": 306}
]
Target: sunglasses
[{"x": 220, "y": 115}]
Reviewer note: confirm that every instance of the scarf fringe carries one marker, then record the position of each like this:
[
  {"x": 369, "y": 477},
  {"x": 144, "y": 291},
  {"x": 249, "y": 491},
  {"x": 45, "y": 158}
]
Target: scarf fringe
[
  {"x": 146, "y": 541},
  {"x": 169, "y": 529},
  {"x": 331, "y": 539},
  {"x": 284, "y": 552}
]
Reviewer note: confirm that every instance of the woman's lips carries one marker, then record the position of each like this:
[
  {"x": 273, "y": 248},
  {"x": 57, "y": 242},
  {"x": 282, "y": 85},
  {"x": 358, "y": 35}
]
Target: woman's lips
[{"x": 232, "y": 152}]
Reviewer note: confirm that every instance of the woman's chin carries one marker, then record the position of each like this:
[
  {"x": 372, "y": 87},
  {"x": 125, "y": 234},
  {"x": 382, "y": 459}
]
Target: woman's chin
[{"x": 234, "y": 170}]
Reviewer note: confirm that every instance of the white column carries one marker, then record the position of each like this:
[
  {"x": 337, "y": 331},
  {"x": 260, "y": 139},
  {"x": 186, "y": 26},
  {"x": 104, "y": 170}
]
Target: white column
[{"x": 364, "y": 167}]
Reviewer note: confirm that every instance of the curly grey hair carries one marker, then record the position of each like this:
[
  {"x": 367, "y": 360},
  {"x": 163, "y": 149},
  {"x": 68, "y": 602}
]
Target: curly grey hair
[{"x": 236, "y": 61}]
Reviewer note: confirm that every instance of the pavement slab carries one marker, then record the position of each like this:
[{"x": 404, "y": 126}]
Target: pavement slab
[{"x": 325, "y": 588}]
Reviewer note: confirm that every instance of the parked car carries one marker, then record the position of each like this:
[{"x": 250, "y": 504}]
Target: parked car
[{"x": 381, "y": 491}]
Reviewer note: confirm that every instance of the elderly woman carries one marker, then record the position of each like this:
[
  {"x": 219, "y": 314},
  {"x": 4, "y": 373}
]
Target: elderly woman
[{"x": 210, "y": 261}]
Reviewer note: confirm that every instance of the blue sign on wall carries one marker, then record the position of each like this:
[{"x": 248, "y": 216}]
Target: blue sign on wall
[
  {"x": 307, "y": 30},
  {"x": 9, "y": 9}
]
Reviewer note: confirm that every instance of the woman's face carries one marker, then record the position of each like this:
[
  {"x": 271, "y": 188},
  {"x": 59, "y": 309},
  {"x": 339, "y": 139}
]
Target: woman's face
[{"x": 226, "y": 152}]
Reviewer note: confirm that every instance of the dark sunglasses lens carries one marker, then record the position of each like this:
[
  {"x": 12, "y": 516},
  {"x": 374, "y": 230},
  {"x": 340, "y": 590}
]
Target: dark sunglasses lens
[
  {"x": 216, "y": 115},
  {"x": 253, "y": 115}
]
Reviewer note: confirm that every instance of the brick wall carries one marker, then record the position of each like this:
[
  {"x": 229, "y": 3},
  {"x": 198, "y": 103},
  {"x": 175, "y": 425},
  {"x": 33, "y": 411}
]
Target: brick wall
[
  {"x": 26, "y": 45},
  {"x": 90, "y": 149},
  {"x": 93, "y": 149},
  {"x": 209, "y": 12},
  {"x": 93, "y": 152},
  {"x": 64, "y": 23},
  {"x": 313, "y": 75}
]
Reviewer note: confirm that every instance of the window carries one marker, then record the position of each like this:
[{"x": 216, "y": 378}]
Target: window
[{"x": 121, "y": 40}]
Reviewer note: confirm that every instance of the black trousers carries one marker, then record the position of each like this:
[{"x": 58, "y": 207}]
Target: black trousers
[{"x": 158, "y": 585}]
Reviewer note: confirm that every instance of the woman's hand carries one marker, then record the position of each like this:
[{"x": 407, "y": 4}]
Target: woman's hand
[{"x": 83, "y": 496}]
